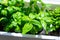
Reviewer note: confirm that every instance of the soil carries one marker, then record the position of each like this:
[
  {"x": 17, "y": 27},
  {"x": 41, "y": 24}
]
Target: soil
[{"x": 53, "y": 33}]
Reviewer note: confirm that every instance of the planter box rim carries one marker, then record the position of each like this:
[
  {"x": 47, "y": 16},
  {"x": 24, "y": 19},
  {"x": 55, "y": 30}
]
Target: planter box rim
[
  {"x": 29, "y": 36},
  {"x": 55, "y": 2}
]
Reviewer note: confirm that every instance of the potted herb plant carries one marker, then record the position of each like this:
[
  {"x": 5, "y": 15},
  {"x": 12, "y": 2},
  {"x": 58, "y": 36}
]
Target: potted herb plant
[{"x": 17, "y": 18}]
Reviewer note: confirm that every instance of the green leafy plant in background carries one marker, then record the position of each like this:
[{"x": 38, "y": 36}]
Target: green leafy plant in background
[{"x": 15, "y": 17}]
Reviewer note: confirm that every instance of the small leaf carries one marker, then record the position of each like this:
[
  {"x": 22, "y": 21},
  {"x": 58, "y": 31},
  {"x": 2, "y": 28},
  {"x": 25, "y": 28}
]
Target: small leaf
[
  {"x": 4, "y": 2},
  {"x": 57, "y": 10},
  {"x": 18, "y": 0},
  {"x": 12, "y": 2},
  {"x": 48, "y": 19},
  {"x": 27, "y": 27},
  {"x": 4, "y": 12},
  {"x": 14, "y": 23},
  {"x": 17, "y": 17},
  {"x": 17, "y": 29},
  {"x": 42, "y": 13},
  {"x": 10, "y": 26},
  {"x": 51, "y": 29},
  {"x": 2, "y": 18},
  {"x": 44, "y": 24},
  {"x": 17, "y": 8},
  {"x": 0, "y": 7},
  {"x": 10, "y": 9},
  {"x": 25, "y": 18},
  {"x": 35, "y": 22},
  {"x": 31, "y": 16}
]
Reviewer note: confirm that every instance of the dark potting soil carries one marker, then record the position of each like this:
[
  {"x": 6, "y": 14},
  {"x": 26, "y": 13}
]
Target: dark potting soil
[
  {"x": 53, "y": 33},
  {"x": 1, "y": 28}
]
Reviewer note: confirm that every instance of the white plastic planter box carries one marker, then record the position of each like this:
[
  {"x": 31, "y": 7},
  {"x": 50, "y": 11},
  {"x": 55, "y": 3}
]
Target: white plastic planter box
[{"x": 19, "y": 36}]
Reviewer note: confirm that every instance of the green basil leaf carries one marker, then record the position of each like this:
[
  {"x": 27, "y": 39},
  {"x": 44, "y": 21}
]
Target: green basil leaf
[
  {"x": 25, "y": 18},
  {"x": 51, "y": 29},
  {"x": 48, "y": 19},
  {"x": 17, "y": 17},
  {"x": 27, "y": 27},
  {"x": 2, "y": 18},
  {"x": 57, "y": 10},
  {"x": 10, "y": 26},
  {"x": 31, "y": 15},
  {"x": 44, "y": 24},
  {"x": 10, "y": 9},
  {"x": 42, "y": 14},
  {"x": 35, "y": 22},
  {"x": 17, "y": 29},
  {"x": 4, "y": 2},
  {"x": 4, "y": 12},
  {"x": 12, "y": 2},
  {"x": 17, "y": 8},
  {"x": 0, "y": 7}
]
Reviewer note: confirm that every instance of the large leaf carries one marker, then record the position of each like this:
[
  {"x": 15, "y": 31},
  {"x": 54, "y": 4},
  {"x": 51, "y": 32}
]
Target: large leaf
[{"x": 27, "y": 27}]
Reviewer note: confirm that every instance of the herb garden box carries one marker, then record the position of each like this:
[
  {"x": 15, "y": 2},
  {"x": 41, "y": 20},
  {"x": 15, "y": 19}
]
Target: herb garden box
[{"x": 15, "y": 14}]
